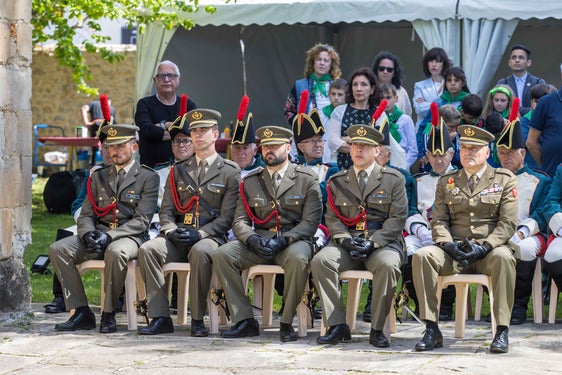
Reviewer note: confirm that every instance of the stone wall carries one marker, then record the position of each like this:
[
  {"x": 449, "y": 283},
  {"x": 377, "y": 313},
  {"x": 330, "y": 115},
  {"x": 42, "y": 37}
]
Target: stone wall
[
  {"x": 15, "y": 152},
  {"x": 55, "y": 100}
]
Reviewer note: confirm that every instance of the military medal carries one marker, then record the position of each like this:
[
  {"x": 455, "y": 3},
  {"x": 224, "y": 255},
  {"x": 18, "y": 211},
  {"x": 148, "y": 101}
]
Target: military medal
[{"x": 450, "y": 184}]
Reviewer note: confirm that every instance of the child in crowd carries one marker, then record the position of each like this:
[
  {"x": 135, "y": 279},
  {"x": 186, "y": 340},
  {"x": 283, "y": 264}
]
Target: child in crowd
[
  {"x": 337, "y": 97},
  {"x": 499, "y": 100},
  {"x": 452, "y": 119},
  {"x": 401, "y": 126},
  {"x": 494, "y": 124},
  {"x": 471, "y": 111}
]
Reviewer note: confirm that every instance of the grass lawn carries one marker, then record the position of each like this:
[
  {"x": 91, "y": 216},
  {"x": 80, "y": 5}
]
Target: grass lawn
[{"x": 44, "y": 227}]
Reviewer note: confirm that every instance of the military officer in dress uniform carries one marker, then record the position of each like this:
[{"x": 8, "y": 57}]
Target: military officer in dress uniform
[
  {"x": 440, "y": 154},
  {"x": 113, "y": 223},
  {"x": 474, "y": 216},
  {"x": 276, "y": 217},
  {"x": 532, "y": 187},
  {"x": 197, "y": 211},
  {"x": 367, "y": 208},
  {"x": 243, "y": 148}
]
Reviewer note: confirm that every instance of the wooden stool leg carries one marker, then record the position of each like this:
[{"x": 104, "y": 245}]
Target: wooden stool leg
[
  {"x": 353, "y": 296},
  {"x": 268, "y": 289},
  {"x": 479, "y": 298},
  {"x": 553, "y": 303},
  {"x": 537, "y": 293},
  {"x": 183, "y": 292},
  {"x": 460, "y": 313},
  {"x": 131, "y": 295}
]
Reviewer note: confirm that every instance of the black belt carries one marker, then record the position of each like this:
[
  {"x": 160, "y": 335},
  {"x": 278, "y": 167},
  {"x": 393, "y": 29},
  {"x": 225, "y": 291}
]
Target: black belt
[{"x": 371, "y": 225}]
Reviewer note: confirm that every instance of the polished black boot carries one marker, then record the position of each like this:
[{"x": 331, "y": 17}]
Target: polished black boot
[
  {"x": 108, "y": 323},
  {"x": 198, "y": 328},
  {"x": 244, "y": 328},
  {"x": 500, "y": 344},
  {"x": 158, "y": 325},
  {"x": 287, "y": 332},
  {"x": 432, "y": 338},
  {"x": 378, "y": 339},
  {"x": 335, "y": 334},
  {"x": 83, "y": 318}
]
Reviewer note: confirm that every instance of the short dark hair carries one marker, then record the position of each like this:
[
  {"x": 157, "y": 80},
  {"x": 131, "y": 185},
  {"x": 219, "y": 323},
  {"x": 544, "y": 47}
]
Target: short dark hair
[
  {"x": 522, "y": 47},
  {"x": 494, "y": 123},
  {"x": 438, "y": 54},
  {"x": 456, "y": 71},
  {"x": 472, "y": 105},
  {"x": 541, "y": 89},
  {"x": 398, "y": 74},
  {"x": 338, "y": 84}
]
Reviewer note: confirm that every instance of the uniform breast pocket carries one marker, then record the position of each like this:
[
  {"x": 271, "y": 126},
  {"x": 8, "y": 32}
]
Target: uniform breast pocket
[
  {"x": 260, "y": 206},
  {"x": 379, "y": 202},
  {"x": 294, "y": 203},
  {"x": 455, "y": 205},
  {"x": 216, "y": 188},
  {"x": 345, "y": 206},
  {"x": 490, "y": 203}
]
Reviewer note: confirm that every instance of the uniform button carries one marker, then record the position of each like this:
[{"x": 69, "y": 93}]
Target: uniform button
[
  {"x": 380, "y": 202},
  {"x": 472, "y": 214},
  {"x": 471, "y": 200},
  {"x": 472, "y": 227},
  {"x": 345, "y": 204}
]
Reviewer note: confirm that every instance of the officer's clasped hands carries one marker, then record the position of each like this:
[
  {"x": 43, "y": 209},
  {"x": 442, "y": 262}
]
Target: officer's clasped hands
[{"x": 358, "y": 248}]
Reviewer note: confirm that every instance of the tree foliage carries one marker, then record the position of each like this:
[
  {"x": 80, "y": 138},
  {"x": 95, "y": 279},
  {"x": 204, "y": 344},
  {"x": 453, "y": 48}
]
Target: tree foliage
[{"x": 60, "y": 21}]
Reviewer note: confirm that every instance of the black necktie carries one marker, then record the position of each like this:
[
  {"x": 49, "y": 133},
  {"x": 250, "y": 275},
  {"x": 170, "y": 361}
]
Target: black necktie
[{"x": 362, "y": 181}]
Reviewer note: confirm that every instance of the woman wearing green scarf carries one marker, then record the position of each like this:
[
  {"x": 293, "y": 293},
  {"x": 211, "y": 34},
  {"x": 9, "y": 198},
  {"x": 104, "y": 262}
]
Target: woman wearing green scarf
[{"x": 321, "y": 68}]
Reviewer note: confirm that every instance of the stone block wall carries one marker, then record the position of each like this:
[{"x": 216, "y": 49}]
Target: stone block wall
[
  {"x": 15, "y": 152},
  {"x": 55, "y": 100}
]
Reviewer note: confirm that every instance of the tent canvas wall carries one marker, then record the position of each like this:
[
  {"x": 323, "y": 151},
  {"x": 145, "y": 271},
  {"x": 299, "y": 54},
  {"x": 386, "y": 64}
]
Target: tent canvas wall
[{"x": 276, "y": 34}]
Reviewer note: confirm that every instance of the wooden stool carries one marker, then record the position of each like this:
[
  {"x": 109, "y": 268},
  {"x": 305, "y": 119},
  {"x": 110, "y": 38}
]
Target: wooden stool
[
  {"x": 354, "y": 281},
  {"x": 553, "y": 303},
  {"x": 182, "y": 270},
  {"x": 268, "y": 272},
  {"x": 461, "y": 283},
  {"x": 130, "y": 286}
]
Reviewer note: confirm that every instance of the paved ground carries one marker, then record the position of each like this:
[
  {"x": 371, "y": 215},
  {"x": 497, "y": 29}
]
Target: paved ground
[{"x": 31, "y": 346}]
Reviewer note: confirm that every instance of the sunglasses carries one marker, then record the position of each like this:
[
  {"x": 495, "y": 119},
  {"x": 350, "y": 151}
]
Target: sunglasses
[{"x": 387, "y": 68}]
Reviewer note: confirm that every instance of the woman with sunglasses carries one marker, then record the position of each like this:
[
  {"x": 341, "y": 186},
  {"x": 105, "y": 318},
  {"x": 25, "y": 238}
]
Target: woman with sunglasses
[
  {"x": 387, "y": 69},
  {"x": 435, "y": 62}
]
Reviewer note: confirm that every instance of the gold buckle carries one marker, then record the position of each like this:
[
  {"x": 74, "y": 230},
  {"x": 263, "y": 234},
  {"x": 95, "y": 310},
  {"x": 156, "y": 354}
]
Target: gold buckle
[
  {"x": 113, "y": 199},
  {"x": 188, "y": 218},
  {"x": 113, "y": 225}
]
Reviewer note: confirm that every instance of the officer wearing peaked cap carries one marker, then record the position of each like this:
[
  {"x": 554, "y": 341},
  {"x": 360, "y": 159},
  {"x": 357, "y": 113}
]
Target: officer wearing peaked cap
[
  {"x": 367, "y": 208},
  {"x": 197, "y": 212},
  {"x": 113, "y": 223},
  {"x": 276, "y": 217},
  {"x": 533, "y": 187},
  {"x": 474, "y": 216}
]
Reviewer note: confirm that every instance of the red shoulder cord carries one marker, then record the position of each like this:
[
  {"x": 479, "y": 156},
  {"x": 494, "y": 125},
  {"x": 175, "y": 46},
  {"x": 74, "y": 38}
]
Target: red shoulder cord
[
  {"x": 177, "y": 203},
  {"x": 253, "y": 217},
  {"x": 347, "y": 221},
  {"x": 99, "y": 211}
]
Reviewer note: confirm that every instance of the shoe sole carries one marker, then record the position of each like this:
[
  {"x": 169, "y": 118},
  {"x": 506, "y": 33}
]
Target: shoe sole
[
  {"x": 425, "y": 349},
  {"x": 86, "y": 328},
  {"x": 193, "y": 334}
]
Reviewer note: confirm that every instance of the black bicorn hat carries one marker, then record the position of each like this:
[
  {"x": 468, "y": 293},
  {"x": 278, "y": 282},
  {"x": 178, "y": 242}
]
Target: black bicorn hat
[
  {"x": 306, "y": 125},
  {"x": 511, "y": 136},
  {"x": 243, "y": 132},
  {"x": 179, "y": 125},
  {"x": 439, "y": 140},
  {"x": 385, "y": 131}
]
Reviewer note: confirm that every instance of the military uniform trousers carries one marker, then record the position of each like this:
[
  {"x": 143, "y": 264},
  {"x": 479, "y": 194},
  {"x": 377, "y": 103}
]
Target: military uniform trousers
[
  {"x": 68, "y": 252},
  {"x": 233, "y": 257},
  {"x": 431, "y": 261},
  {"x": 328, "y": 263},
  {"x": 158, "y": 251}
]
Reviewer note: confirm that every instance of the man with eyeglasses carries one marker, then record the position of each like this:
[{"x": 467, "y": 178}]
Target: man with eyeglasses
[
  {"x": 155, "y": 114},
  {"x": 197, "y": 211}
]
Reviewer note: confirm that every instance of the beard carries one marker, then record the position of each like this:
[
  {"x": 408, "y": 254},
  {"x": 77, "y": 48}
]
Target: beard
[{"x": 275, "y": 160}]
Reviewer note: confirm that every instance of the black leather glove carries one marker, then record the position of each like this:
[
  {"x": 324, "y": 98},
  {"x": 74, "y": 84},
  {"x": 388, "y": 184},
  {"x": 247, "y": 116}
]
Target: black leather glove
[
  {"x": 363, "y": 248},
  {"x": 89, "y": 240},
  {"x": 180, "y": 237},
  {"x": 453, "y": 250},
  {"x": 347, "y": 244},
  {"x": 472, "y": 252},
  {"x": 257, "y": 244},
  {"x": 102, "y": 240},
  {"x": 194, "y": 236},
  {"x": 277, "y": 244}
]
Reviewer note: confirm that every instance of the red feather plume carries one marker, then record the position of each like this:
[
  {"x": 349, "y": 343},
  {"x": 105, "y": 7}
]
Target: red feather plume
[
  {"x": 105, "y": 107},
  {"x": 514, "y": 109},
  {"x": 243, "y": 107},
  {"x": 434, "y": 114},
  {"x": 380, "y": 109},
  {"x": 303, "y": 102},
  {"x": 183, "y": 104}
]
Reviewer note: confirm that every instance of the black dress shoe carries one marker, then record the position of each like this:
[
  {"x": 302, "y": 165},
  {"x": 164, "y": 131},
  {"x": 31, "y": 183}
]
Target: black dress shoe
[
  {"x": 244, "y": 328},
  {"x": 378, "y": 339},
  {"x": 518, "y": 314},
  {"x": 500, "y": 344},
  {"x": 158, "y": 325},
  {"x": 198, "y": 329},
  {"x": 83, "y": 318},
  {"x": 446, "y": 313},
  {"x": 432, "y": 338},
  {"x": 56, "y": 306},
  {"x": 335, "y": 334},
  {"x": 367, "y": 316},
  {"x": 317, "y": 312},
  {"x": 108, "y": 323},
  {"x": 287, "y": 333}
]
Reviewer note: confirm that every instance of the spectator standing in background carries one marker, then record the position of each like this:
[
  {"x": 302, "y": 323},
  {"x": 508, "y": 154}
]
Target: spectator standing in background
[{"x": 387, "y": 69}]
